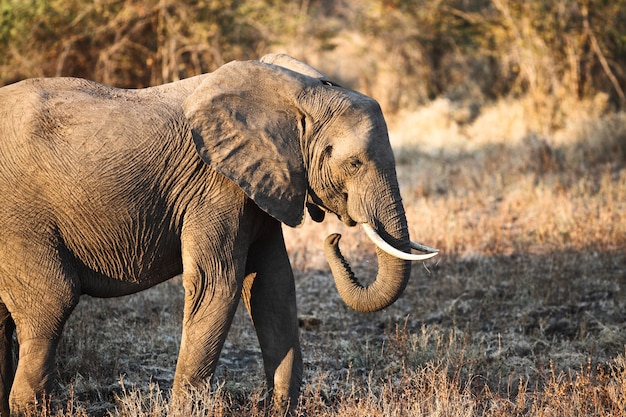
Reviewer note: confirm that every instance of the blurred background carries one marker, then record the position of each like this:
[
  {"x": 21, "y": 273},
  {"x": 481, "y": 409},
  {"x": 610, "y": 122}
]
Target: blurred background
[{"x": 404, "y": 53}]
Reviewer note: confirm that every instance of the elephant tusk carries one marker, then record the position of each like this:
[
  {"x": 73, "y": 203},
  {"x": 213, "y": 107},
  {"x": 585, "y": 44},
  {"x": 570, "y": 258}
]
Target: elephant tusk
[
  {"x": 383, "y": 245},
  {"x": 423, "y": 248}
]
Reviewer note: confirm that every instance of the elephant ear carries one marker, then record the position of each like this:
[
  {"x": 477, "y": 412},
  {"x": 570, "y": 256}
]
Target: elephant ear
[{"x": 246, "y": 125}]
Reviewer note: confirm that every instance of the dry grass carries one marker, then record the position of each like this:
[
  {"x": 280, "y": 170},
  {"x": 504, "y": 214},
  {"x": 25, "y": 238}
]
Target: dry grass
[{"x": 523, "y": 314}]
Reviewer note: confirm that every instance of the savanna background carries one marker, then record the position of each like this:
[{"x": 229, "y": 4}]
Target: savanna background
[{"x": 507, "y": 121}]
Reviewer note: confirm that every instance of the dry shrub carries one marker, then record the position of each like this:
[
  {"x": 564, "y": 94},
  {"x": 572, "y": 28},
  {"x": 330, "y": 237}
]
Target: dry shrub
[
  {"x": 402, "y": 52},
  {"x": 594, "y": 141}
]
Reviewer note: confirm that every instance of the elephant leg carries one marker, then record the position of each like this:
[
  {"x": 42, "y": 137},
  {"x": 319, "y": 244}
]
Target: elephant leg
[
  {"x": 7, "y": 327},
  {"x": 40, "y": 305},
  {"x": 211, "y": 299},
  {"x": 269, "y": 295},
  {"x": 35, "y": 367},
  {"x": 35, "y": 370}
]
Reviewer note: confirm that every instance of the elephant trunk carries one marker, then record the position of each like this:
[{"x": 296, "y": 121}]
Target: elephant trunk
[{"x": 393, "y": 272}]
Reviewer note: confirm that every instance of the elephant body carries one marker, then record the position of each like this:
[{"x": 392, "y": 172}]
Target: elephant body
[
  {"x": 136, "y": 241},
  {"x": 108, "y": 192}
]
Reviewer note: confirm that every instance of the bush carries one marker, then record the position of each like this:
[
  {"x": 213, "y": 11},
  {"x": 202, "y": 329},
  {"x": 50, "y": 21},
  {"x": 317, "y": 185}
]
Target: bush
[{"x": 402, "y": 52}]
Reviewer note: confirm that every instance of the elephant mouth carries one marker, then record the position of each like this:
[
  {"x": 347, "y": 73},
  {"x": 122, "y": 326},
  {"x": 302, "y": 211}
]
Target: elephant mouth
[
  {"x": 318, "y": 211},
  {"x": 347, "y": 220}
]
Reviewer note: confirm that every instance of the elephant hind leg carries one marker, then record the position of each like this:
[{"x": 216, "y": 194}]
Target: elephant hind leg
[{"x": 7, "y": 328}]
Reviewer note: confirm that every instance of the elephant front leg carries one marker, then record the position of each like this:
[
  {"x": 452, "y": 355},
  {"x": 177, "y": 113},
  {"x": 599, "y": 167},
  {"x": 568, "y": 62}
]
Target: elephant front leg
[
  {"x": 40, "y": 305},
  {"x": 210, "y": 303},
  {"x": 269, "y": 295},
  {"x": 36, "y": 364}
]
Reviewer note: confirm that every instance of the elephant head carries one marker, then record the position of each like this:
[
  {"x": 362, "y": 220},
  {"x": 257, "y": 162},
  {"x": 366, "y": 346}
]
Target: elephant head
[{"x": 290, "y": 138}]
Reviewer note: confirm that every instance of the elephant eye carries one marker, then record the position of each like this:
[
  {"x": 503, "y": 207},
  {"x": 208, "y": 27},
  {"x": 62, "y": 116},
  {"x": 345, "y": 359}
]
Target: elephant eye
[
  {"x": 327, "y": 152},
  {"x": 354, "y": 164}
]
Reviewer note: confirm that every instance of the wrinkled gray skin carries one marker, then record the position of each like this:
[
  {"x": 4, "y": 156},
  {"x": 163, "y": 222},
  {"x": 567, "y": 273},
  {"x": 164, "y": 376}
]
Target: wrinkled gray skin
[{"x": 108, "y": 192}]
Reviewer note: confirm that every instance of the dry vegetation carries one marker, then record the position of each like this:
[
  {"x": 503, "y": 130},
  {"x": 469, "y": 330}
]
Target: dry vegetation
[{"x": 511, "y": 150}]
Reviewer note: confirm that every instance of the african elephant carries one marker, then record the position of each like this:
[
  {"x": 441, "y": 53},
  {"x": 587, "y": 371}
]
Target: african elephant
[{"x": 108, "y": 192}]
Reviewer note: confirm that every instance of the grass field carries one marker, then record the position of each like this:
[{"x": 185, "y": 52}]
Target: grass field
[{"x": 522, "y": 314}]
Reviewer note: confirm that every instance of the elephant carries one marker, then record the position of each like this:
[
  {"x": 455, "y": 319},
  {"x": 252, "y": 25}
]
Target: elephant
[{"x": 111, "y": 191}]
